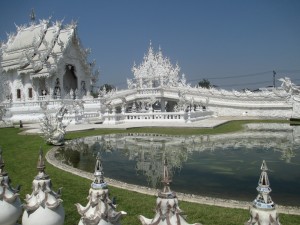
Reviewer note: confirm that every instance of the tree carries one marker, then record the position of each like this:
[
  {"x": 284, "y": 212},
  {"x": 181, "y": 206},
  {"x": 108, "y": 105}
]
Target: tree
[
  {"x": 107, "y": 87},
  {"x": 204, "y": 84}
]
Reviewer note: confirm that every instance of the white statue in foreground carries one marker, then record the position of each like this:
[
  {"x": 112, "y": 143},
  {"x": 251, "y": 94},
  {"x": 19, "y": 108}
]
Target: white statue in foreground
[
  {"x": 167, "y": 209},
  {"x": 10, "y": 204},
  {"x": 100, "y": 210},
  {"x": 43, "y": 206},
  {"x": 263, "y": 210},
  {"x": 53, "y": 129}
]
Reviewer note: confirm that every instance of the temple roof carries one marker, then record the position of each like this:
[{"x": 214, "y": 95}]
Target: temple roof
[
  {"x": 155, "y": 70},
  {"x": 37, "y": 48}
]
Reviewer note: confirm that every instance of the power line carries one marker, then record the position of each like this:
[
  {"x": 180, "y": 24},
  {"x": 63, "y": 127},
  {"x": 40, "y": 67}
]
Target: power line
[
  {"x": 246, "y": 75},
  {"x": 122, "y": 84},
  {"x": 245, "y": 84}
]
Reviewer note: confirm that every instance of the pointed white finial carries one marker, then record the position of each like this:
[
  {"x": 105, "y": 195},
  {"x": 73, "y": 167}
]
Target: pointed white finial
[
  {"x": 166, "y": 180},
  {"x": 99, "y": 175},
  {"x": 41, "y": 167},
  {"x": 264, "y": 166},
  {"x": 263, "y": 209}
]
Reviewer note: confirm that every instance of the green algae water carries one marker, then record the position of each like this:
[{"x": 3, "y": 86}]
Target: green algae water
[{"x": 223, "y": 166}]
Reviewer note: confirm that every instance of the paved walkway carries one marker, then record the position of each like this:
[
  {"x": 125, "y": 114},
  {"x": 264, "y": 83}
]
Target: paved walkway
[{"x": 205, "y": 123}]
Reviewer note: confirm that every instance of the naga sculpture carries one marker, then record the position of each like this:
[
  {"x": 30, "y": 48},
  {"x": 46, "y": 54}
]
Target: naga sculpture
[
  {"x": 53, "y": 129},
  {"x": 289, "y": 87}
]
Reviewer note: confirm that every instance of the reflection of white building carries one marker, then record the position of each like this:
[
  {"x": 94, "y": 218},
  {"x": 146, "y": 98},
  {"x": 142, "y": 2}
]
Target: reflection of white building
[{"x": 149, "y": 149}]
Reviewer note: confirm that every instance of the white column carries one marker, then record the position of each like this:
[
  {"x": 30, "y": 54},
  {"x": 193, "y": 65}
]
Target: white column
[{"x": 163, "y": 105}]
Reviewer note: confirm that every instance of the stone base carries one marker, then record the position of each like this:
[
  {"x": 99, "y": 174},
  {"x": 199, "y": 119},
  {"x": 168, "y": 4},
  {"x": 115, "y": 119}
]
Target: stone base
[{"x": 263, "y": 217}]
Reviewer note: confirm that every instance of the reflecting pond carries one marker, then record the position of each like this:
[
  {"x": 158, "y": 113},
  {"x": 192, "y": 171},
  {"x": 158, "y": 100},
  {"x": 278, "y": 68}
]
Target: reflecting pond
[{"x": 224, "y": 166}]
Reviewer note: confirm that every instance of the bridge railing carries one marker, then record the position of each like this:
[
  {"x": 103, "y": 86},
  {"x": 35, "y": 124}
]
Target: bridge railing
[{"x": 183, "y": 117}]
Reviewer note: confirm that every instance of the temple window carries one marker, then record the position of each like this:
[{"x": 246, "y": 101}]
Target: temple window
[
  {"x": 18, "y": 93},
  {"x": 29, "y": 92}
]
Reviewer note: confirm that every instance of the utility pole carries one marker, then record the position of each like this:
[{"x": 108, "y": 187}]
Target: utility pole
[
  {"x": 274, "y": 73},
  {"x": 32, "y": 16}
]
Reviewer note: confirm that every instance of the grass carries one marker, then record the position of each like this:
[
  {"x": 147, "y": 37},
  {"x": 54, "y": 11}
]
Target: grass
[{"x": 20, "y": 153}]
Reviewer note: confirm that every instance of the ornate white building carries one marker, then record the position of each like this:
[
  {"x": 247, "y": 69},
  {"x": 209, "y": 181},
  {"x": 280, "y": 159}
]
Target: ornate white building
[
  {"x": 43, "y": 61},
  {"x": 158, "y": 93},
  {"x": 44, "y": 66}
]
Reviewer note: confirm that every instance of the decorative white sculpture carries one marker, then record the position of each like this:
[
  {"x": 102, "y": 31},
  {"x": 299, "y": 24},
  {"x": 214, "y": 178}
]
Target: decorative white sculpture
[
  {"x": 10, "y": 204},
  {"x": 167, "y": 209},
  {"x": 156, "y": 71},
  {"x": 288, "y": 86},
  {"x": 43, "y": 206},
  {"x": 100, "y": 210},
  {"x": 263, "y": 210},
  {"x": 53, "y": 129}
]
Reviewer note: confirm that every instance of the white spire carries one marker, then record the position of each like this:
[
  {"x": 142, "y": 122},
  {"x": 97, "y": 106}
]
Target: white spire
[
  {"x": 263, "y": 210},
  {"x": 100, "y": 209},
  {"x": 43, "y": 203},
  {"x": 167, "y": 208}
]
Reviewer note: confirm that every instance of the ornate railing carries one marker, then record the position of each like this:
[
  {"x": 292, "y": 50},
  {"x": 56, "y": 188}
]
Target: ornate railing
[{"x": 183, "y": 117}]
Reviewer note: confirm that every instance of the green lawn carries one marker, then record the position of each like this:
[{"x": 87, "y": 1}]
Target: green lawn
[{"x": 20, "y": 153}]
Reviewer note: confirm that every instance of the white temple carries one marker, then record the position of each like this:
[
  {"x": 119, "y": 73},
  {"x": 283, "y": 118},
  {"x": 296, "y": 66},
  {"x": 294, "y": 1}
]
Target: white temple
[
  {"x": 44, "y": 66},
  {"x": 41, "y": 62},
  {"x": 159, "y": 93}
]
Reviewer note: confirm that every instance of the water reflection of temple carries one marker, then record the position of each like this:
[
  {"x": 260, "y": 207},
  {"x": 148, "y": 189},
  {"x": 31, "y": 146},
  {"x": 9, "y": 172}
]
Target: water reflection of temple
[{"x": 148, "y": 149}]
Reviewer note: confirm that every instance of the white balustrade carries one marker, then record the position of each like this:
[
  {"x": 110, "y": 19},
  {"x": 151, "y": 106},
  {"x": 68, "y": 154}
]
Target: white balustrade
[{"x": 110, "y": 118}]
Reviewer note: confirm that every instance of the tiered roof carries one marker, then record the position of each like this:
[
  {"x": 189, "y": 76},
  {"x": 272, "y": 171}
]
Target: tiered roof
[
  {"x": 155, "y": 68},
  {"x": 38, "y": 48}
]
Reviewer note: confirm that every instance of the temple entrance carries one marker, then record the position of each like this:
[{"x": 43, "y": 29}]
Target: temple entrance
[
  {"x": 70, "y": 79},
  {"x": 43, "y": 90},
  {"x": 170, "y": 106}
]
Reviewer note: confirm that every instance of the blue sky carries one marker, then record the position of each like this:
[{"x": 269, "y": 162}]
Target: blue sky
[{"x": 234, "y": 44}]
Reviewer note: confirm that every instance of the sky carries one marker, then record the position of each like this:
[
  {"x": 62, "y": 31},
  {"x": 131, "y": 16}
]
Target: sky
[{"x": 235, "y": 44}]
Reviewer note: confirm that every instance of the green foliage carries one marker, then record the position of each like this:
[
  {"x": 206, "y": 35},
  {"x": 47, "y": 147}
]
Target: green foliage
[
  {"x": 204, "y": 83},
  {"x": 107, "y": 87},
  {"x": 20, "y": 153}
]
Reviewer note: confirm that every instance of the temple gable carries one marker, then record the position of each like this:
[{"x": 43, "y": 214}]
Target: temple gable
[{"x": 44, "y": 59}]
